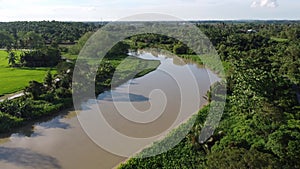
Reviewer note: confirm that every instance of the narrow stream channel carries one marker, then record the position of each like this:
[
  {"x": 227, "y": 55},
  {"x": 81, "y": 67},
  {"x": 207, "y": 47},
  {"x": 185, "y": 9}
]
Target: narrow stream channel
[{"x": 61, "y": 143}]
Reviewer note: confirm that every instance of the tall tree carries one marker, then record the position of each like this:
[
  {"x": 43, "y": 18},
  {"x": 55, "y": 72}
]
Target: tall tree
[
  {"x": 34, "y": 40},
  {"x": 48, "y": 79},
  {"x": 11, "y": 59}
]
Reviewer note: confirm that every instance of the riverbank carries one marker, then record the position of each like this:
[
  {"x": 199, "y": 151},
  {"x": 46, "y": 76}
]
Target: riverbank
[
  {"x": 164, "y": 142},
  {"x": 180, "y": 65},
  {"x": 177, "y": 137},
  {"x": 179, "y": 132},
  {"x": 27, "y": 128},
  {"x": 60, "y": 130},
  {"x": 19, "y": 110}
]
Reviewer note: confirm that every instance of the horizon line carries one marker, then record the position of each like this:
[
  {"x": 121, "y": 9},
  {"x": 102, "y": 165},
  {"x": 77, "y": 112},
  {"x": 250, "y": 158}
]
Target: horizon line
[{"x": 188, "y": 20}]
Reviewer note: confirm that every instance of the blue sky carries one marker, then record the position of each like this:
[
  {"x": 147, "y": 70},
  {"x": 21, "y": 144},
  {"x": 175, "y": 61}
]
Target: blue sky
[{"x": 111, "y": 10}]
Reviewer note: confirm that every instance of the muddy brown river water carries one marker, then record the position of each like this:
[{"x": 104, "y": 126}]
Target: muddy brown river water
[{"x": 61, "y": 143}]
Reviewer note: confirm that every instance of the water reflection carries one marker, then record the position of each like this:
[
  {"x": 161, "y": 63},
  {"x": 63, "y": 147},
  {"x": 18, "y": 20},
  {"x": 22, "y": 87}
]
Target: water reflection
[
  {"x": 121, "y": 97},
  {"x": 26, "y": 133},
  {"x": 55, "y": 123},
  {"x": 27, "y": 158},
  {"x": 45, "y": 123},
  {"x": 160, "y": 54},
  {"x": 62, "y": 137}
]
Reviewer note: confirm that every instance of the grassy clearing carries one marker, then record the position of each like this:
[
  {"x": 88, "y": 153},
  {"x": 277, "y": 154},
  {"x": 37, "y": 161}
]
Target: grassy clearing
[
  {"x": 69, "y": 56},
  {"x": 279, "y": 39},
  {"x": 16, "y": 79}
]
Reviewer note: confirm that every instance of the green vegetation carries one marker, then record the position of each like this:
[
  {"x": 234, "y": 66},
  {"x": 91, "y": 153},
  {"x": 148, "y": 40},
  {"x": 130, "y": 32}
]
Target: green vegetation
[
  {"x": 279, "y": 39},
  {"x": 28, "y": 46},
  {"x": 26, "y": 34},
  {"x": 51, "y": 96},
  {"x": 75, "y": 49},
  {"x": 122, "y": 70},
  {"x": 69, "y": 56},
  {"x": 14, "y": 79},
  {"x": 40, "y": 99},
  {"x": 260, "y": 127},
  {"x": 54, "y": 92},
  {"x": 43, "y": 57},
  {"x": 35, "y": 45}
]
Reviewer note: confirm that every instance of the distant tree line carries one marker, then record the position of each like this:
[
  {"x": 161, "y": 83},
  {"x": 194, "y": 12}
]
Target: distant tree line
[
  {"x": 41, "y": 41},
  {"x": 23, "y": 34}
]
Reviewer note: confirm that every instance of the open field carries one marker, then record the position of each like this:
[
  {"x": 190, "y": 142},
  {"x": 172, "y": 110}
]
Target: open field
[{"x": 15, "y": 79}]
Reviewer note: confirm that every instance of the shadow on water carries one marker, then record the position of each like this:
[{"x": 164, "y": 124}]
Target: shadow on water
[
  {"x": 121, "y": 97},
  {"x": 52, "y": 121},
  {"x": 26, "y": 158}
]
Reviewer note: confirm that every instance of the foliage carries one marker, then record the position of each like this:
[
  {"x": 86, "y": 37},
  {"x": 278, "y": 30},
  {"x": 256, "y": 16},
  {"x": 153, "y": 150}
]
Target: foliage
[
  {"x": 16, "y": 78},
  {"x": 55, "y": 93},
  {"x": 35, "y": 89},
  {"x": 46, "y": 57},
  {"x": 6, "y": 40},
  {"x": 121, "y": 67},
  {"x": 11, "y": 59},
  {"x": 48, "y": 81},
  {"x": 233, "y": 158},
  {"x": 260, "y": 123},
  {"x": 7, "y": 122},
  {"x": 75, "y": 49},
  {"x": 180, "y": 49},
  {"x": 34, "y": 34}
]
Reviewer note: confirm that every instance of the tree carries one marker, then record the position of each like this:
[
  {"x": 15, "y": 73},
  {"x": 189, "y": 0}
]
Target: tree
[
  {"x": 6, "y": 40},
  {"x": 285, "y": 143},
  {"x": 33, "y": 40},
  {"x": 45, "y": 57},
  {"x": 75, "y": 49},
  {"x": 35, "y": 89},
  {"x": 11, "y": 59},
  {"x": 120, "y": 48},
  {"x": 48, "y": 79},
  {"x": 180, "y": 49},
  {"x": 232, "y": 158}
]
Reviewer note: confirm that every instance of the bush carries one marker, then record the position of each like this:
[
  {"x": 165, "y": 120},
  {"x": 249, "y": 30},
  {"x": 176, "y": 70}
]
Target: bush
[
  {"x": 7, "y": 122},
  {"x": 49, "y": 97},
  {"x": 180, "y": 49},
  {"x": 63, "y": 93}
]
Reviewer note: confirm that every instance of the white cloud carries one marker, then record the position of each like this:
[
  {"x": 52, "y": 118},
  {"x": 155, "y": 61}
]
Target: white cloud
[
  {"x": 95, "y": 10},
  {"x": 264, "y": 3}
]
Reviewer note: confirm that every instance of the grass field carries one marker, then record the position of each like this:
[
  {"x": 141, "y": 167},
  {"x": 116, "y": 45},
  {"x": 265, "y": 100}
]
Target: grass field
[{"x": 16, "y": 79}]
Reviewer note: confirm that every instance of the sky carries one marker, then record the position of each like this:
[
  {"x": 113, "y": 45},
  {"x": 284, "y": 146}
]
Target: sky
[{"x": 112, "y": 10}]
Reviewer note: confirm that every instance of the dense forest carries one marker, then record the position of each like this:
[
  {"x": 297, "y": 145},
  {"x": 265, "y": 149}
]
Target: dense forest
[
  {"x": 260, "y": 127},
  {"x": 25, "y": 34}
]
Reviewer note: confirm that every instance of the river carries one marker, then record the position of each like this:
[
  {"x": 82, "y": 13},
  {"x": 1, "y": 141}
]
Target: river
[{"x": 61, "y": 143}]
